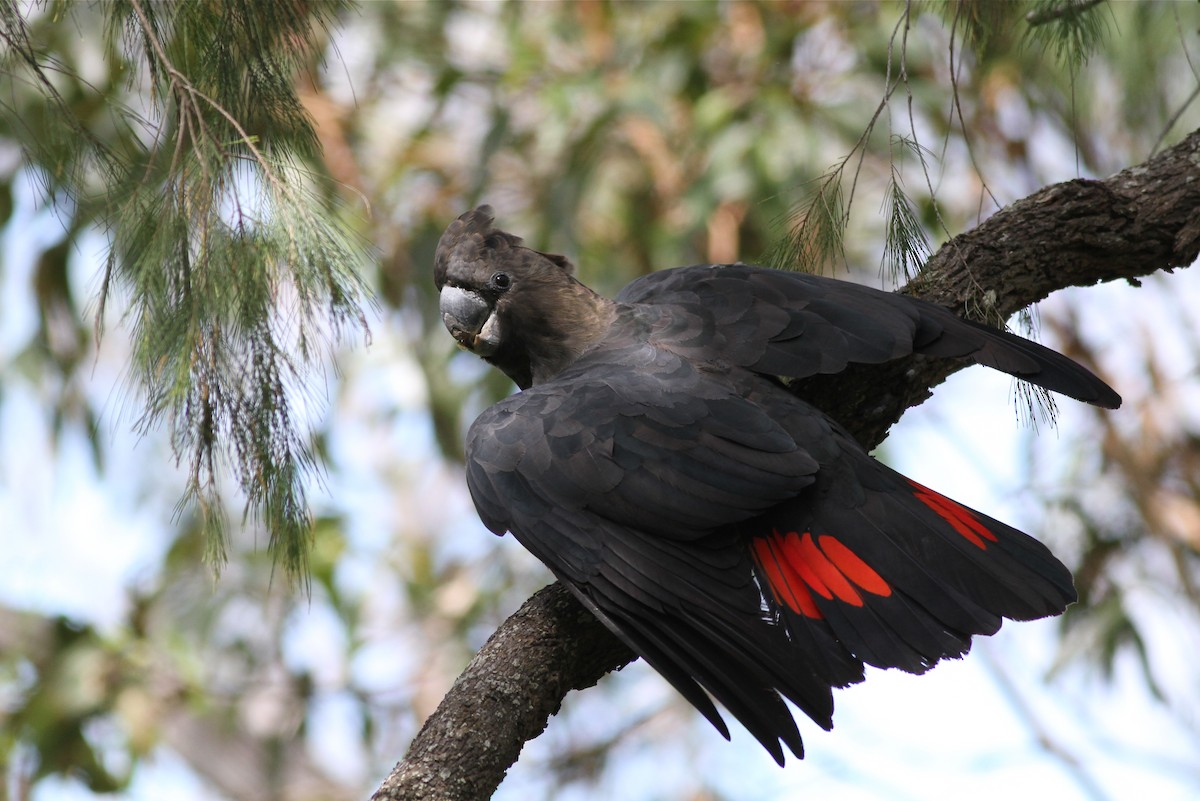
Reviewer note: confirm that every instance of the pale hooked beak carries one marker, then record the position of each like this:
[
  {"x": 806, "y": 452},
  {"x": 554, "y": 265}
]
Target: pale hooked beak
[{"x": 469, "y": 319}]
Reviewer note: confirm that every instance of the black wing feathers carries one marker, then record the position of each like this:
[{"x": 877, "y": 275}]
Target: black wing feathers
[
  {"x": 716, "y": 629},
  {"x": 679, "y": 457},
  {"x": 826, "y": 324}
]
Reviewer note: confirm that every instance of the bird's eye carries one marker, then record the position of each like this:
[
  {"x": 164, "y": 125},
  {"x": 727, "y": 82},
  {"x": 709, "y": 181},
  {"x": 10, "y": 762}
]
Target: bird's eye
[{"x": 501, "y": 281}]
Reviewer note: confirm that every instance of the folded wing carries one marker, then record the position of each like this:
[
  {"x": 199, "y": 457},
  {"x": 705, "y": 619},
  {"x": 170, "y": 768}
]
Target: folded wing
[{"x": 797, "y": 325}]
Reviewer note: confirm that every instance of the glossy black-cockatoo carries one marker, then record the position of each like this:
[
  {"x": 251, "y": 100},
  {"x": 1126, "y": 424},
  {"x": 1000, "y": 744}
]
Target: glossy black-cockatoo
[{"x": 735, "y": 537}]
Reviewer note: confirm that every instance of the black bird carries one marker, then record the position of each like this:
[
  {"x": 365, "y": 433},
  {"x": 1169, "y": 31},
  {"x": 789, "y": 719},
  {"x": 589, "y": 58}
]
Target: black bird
[{"x": 734, "y": 536}]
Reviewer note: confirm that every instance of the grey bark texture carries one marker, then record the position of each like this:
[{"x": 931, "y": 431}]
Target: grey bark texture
[{"x": 1142, "y": 220}]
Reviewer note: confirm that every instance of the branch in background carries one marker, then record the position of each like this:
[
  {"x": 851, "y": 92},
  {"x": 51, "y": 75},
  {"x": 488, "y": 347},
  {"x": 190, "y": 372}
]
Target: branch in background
[{"x": 1025, "y": 710}]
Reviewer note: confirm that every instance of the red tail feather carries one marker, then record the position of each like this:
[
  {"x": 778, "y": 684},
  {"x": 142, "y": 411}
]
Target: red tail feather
[
  {"x": 796, "y": 566},
  {"x": 962, "y": 519}
]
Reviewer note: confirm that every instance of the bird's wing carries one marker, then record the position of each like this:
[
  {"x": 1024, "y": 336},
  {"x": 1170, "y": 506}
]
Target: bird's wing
[
  {"x": 798, "y": 325},
  {"x": 624, "y": 484},
  {"x": 656, "y": 444}
]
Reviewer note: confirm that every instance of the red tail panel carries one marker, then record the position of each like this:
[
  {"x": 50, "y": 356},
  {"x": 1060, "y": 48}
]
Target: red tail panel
[
  {"x": 795, "y": 566},
  {"x": 961, "y": 518},
  {"x": 855, "y": 568},
  {"x": 788, "y": 588},
  {"x": 809, "y": 556}
]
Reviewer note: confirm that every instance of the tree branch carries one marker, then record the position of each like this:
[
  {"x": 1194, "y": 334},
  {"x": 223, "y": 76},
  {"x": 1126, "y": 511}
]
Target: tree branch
[
  {"x": 1077, "y": 233},
  {"x": 552, "y": 645},
  {"x": 1140, "y": 221}
]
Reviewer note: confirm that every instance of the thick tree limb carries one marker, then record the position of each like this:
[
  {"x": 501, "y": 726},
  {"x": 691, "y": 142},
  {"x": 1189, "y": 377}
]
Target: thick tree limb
[
  {"x": 552, "y": 645},
  {"x": 1140, "y": 221}
]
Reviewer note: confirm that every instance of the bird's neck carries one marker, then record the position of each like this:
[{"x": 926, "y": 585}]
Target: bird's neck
[
  {"x": 553, "y": 333},
  {"x": 582, "y": 319}
]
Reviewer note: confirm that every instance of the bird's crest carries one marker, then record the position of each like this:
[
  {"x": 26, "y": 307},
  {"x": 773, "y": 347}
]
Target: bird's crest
[{"x": 472, "y": 238}]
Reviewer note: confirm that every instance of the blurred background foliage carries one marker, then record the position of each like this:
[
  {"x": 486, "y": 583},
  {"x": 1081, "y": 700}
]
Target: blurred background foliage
[{"x": 187, "y": 296}]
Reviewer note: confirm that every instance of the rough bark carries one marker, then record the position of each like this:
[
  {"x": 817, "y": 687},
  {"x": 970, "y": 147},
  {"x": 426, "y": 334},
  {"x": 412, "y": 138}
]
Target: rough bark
[
  {"x": 504, "y": 698},
  {"x": 1077, "y": 233},
  {"x": 1140, "y": 221}
]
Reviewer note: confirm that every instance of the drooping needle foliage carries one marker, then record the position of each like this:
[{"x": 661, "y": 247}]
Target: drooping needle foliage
[{"x": 224, "y": 238}]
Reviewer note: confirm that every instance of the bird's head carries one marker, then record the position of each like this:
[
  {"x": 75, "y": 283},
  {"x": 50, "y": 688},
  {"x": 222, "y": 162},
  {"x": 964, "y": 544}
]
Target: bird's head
[{"x": 518, "y": 308}]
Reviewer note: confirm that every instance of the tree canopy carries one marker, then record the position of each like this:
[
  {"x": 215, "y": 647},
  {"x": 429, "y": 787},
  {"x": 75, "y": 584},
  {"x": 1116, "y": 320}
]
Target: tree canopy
[{"x": 220, "y": 355}]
